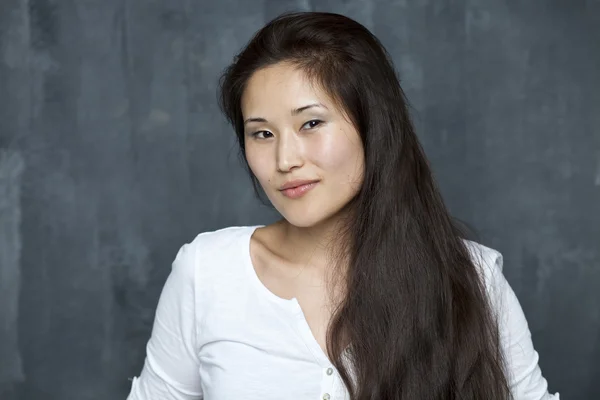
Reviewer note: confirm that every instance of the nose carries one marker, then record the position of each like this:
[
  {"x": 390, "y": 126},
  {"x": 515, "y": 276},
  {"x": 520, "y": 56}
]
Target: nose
[{"x": 289, "y": 152}]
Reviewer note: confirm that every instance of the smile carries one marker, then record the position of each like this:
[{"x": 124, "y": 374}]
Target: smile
[{"x": 298, "y": 191}]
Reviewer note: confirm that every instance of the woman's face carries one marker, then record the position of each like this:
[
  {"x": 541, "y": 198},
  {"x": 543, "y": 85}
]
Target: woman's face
[{"x": 294, "y": 131}]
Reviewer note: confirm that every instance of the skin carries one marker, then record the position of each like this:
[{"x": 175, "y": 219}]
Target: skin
[
  {"x": 288, "y": 147},
  {"x": 318, "y": 142}
]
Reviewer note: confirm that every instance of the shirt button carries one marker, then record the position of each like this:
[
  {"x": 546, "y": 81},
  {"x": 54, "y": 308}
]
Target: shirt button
[
  {"x": 329, "y": 371},
  {"x": 326, "y": 396}
]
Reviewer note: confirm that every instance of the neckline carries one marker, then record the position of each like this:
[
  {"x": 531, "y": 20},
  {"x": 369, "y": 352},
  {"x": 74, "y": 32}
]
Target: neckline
[{"x": 291, "y": 304}]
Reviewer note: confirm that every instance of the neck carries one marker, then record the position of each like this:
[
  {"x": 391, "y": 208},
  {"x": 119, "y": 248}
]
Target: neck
[{"x": 310, "y": 246}]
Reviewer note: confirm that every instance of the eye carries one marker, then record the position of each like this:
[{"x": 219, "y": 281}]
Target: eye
[
  {"x": 313, "y": 123},
  {"x": 255, "y": 134}
]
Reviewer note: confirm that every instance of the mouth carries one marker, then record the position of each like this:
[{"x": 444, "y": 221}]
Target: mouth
[{"x": 299, "y": 191}]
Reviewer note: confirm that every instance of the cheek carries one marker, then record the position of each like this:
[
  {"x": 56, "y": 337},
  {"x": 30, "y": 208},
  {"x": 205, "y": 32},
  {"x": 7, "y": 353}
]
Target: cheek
[
  {"x": 258, "y": 165},
  {"x": 340, "y": 154}
]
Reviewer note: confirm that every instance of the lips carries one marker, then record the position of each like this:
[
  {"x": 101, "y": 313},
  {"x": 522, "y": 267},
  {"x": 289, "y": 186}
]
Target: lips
[
  {"x": 297, "y": 183},
  {"x": 294, "y": 192}
]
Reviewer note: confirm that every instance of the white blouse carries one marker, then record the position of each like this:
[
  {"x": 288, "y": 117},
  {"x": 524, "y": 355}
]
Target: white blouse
[{"x": 220, "y": 334}]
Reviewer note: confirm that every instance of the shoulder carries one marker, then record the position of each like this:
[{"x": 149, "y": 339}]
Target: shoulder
[
  {"x": 489, "y": 264},
  {"x": 483, "y": 256},
  {"x": 209, "y": 241},
  {"x": 209, "y": 248}
]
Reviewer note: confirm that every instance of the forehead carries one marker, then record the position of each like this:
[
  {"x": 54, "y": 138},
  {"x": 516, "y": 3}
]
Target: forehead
[{"x": 280, "y": 85}]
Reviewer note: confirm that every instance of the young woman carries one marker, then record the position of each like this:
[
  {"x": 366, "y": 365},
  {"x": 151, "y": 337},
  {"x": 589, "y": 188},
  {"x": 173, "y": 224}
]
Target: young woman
[{"x": 364, "y": 289}]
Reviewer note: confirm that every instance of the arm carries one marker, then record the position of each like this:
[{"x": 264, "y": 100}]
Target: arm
[
  {"x": 170, "y": 369},
  {"x": 524, "y": 374}
]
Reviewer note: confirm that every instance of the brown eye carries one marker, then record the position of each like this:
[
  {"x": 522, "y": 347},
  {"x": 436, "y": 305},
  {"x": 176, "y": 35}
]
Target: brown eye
[
  {"x": 313, "y": 123},
  {"x": 255, "y": 134}
]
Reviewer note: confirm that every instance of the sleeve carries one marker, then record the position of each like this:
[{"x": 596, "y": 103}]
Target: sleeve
[
  {"x": 171, "y": 367},
  {"x": 525, "y": 377}
]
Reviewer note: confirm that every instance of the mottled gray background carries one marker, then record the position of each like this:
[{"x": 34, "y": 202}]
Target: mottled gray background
[{"x": 113, "y": 154}]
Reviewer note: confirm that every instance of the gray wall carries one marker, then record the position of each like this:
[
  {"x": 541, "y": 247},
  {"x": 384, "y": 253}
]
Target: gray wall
[{"x": 113, "y": 154}]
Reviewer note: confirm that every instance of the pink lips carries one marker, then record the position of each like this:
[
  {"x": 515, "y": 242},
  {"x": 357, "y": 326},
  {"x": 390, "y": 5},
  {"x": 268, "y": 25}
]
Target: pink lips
[{"x": 298, "y": 191}]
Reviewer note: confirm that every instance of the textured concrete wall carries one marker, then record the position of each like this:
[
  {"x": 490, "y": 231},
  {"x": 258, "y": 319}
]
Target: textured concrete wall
[{"x": 113, "y": 154}]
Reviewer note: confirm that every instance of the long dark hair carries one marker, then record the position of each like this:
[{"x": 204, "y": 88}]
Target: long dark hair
[{"x": 415, "y": 311}]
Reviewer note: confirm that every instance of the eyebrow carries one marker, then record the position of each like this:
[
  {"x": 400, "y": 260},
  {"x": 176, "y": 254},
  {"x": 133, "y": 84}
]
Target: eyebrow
[{"x": 294, "y": 112}]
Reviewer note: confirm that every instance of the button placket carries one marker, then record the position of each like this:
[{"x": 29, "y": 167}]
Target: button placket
[{"x": 328, "y": 384}]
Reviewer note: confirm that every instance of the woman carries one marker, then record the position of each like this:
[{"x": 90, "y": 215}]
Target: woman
[{"x": 365, "y": 289}]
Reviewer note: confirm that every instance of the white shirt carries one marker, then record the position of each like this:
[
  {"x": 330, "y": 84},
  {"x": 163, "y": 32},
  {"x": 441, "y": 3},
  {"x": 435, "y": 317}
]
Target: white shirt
[{"x": 220, "y": 334}]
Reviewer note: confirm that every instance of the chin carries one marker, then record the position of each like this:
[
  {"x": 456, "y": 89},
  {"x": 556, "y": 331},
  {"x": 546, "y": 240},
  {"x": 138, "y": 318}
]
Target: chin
[
  {"x": 301, "y": 220},
  {"x": 307, "y": 212},
  {"x": 304, "y": 217}
]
